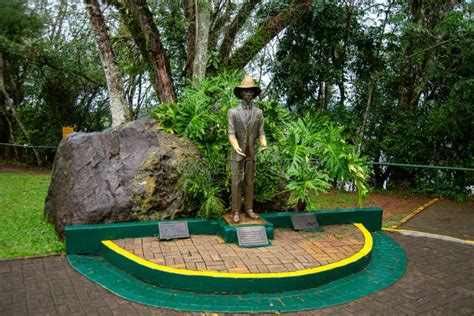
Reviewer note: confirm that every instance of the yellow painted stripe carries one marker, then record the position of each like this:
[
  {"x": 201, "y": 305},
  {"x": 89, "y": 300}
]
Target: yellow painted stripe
[
  {"x": 399, "y": 230},
  {"x": 366, "y": 249},
  {"x": 414, "y": 213}
]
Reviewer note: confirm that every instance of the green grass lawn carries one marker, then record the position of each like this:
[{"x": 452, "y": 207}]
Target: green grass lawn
[
  {"x": 335, "y": 199},
  {"x": 24, "y": 231}
]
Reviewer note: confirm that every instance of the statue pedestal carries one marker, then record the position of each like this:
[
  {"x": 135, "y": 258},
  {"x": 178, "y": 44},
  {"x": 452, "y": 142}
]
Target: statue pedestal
[{"x": 244, "y": 220}]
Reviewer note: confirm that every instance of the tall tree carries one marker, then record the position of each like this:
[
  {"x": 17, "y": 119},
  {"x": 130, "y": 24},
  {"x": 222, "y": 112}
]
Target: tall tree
[{"x": 118, "y": 105}]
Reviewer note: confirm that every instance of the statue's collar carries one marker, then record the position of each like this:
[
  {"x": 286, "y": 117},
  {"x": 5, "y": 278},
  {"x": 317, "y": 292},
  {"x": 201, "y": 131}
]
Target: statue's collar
[{"x": 246, "y": 106}]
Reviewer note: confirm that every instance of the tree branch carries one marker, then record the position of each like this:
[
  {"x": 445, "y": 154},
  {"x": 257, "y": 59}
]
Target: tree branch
[
  {"x": 217, "y": 22},
  {"x": 40, "y": 58},
  {"x": 234, "y": 27},
  {"x": 265, "y": 33}
]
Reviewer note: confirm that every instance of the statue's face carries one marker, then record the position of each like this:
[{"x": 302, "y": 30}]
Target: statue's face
[{"x": 247, "y": 95}]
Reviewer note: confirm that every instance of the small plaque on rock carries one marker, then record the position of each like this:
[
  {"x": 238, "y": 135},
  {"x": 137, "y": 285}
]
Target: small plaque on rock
[
  {"x": 173, "y": 230},
  {"x": 252, "y": 236},
  {"x": 304, "y": 221}
]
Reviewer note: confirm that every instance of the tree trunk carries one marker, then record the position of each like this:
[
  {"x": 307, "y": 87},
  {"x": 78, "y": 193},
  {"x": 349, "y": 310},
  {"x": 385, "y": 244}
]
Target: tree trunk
[
  {"x": 203, "y": 14},
  {"x": 372, "y": 80},
  {"x": 342, "y": 92},
  {"x": 11, "y": 136},
  {"x": 424, "y": 14},
  {"x": 406, "y": 82},
  {"x": 327, "y": 94},
  {"x": 265, "y": 33},
  {"x": 366, "y": 114},
  {"x": 137, "y": 36},
  {"x": 118, "y": 105},
  {"x": 190, "y": 14},
  {"x": 143, "y": 17},
  {"x": 407, "y": 67},
  {"x": 17, "y": 118}
]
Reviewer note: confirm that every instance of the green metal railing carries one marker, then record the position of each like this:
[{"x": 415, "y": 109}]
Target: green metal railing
[
  {"x": 421, "y": 166},
  {"x": 437, "y": 168},
  {"x": 23, "y": 153},
  {"x": 27, "y": 146}
]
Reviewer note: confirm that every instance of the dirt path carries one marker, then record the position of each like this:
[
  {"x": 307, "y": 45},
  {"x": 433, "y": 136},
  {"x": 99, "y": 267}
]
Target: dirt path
[{"x": 13, "y": 169}]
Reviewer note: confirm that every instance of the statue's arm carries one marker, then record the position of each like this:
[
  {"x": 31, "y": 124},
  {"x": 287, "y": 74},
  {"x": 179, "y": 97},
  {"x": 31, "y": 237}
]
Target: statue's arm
[{"x": 261, "y": 134}]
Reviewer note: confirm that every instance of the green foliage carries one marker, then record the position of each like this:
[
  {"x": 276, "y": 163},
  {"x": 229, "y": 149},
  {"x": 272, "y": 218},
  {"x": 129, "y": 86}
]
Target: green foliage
[
  {"x": 268, "y": 174},
  {"x": 201, "y": 181},
  {"x": 24, "y": 231},
  {"x": 305, "y": 153},
  {"x": 17, "y": 21},
  {"x": 315, "y": 52},
  {"x": 436, "y": 129},
  {"x": 317, "y": 152}
]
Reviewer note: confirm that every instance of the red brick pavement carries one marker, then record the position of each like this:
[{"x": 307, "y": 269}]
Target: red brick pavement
[{"x": 290, "y": 251}]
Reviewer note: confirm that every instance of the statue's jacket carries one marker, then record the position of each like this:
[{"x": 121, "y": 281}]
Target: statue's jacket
[{"x": 246, "y": 131}]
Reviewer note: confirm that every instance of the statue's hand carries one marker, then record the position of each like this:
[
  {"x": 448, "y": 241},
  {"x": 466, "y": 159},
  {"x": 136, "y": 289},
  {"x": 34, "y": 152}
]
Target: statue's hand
[
  {"x": 263, "y": 143},
  {"x": 235, "y": 145},
  {"x": 239, "y": 151}
]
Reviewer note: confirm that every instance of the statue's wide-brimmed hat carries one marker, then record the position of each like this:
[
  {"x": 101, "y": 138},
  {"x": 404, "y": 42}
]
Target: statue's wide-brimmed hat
[{"x": 247, "y": 83}]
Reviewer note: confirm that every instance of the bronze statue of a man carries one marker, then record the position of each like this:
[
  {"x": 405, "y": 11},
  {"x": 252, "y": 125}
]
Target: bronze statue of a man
[{"x": 245, "y": 125}]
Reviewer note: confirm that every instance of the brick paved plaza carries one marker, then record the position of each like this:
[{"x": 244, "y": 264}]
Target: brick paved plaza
[{"x": 290, "y": 251}]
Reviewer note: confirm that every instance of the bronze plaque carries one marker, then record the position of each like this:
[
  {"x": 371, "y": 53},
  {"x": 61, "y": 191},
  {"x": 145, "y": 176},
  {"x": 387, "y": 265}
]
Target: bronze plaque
[
  {"x": 173, "y": 230},
  {"x": 252, "y": 236},
  {"x": 304, "y": 221}
]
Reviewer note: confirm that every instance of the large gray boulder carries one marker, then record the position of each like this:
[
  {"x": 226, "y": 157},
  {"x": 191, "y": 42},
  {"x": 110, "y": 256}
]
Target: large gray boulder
[{"x": 128, "y": 173}]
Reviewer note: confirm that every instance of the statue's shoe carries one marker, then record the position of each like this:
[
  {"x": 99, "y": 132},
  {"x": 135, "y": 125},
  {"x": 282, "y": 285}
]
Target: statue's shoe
[
  {"x": 236, "y": 217},
  {"x": 251, "y": 214}
]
